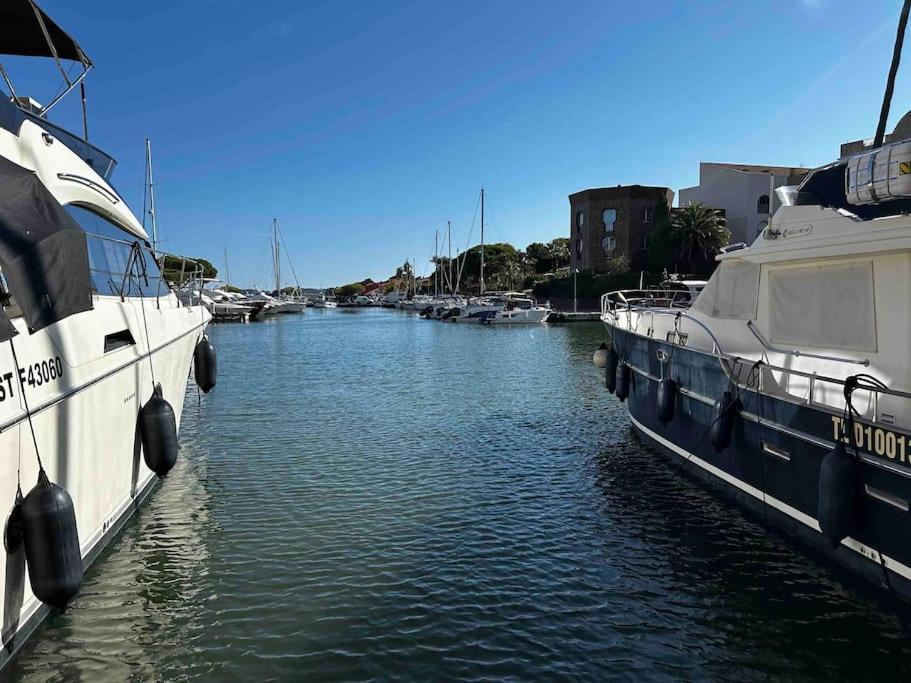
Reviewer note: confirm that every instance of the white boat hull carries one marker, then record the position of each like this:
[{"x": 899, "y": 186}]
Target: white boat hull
[{"x": 85, "y": 423}]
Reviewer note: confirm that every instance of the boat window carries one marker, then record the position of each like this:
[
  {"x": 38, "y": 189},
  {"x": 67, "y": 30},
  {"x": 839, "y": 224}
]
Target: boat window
[
  {"x": 109, "y": 249},
  {"x": 731, "y": 292},
  {"x": 828, "y": 307}
]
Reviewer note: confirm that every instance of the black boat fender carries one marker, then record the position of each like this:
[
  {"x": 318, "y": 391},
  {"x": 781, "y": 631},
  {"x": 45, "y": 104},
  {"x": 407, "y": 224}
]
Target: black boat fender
[
  {"x": 724, "y": 417},
  {"x": 623, "y": 381},
  {"x": 610, "y": 370},
  {"x": 52, "y": 554},
  {"x": 158, "y": 432},
  {"x": 837, "y": 497},
  {"x": 205, "y": 365},
  {"x": 666, "y": 401}
]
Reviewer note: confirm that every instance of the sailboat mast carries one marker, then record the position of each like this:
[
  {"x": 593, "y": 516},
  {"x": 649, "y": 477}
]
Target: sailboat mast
[
  {"x": 152, "y": 217},
  {"x": 227, "y": 273},
  {"x": 482, "y": 241},
  {"x": 436, "y": 263},
  {"x": 277, "y": 257},
  {"x": 449, "y": 233}
]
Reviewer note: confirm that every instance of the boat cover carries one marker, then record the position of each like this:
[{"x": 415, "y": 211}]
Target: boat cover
[
  {"x": 43, "y": 251},
  {"x": 22, "y": 33}
]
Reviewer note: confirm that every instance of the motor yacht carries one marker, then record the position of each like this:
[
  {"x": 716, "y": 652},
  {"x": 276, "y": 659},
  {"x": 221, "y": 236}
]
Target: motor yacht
[
  {"x": 786, "y": 384},
  {"x": 90, "y": 334}
]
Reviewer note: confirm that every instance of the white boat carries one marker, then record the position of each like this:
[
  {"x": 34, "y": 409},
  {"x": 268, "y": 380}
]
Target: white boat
[
  {"x": 88, "y": 329},
  {"x": 518, "y": 311},
  {"x": 325, "y": 302}
]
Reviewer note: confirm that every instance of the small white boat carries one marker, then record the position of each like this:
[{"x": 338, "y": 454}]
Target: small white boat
[{"x": 518, "y": 311}]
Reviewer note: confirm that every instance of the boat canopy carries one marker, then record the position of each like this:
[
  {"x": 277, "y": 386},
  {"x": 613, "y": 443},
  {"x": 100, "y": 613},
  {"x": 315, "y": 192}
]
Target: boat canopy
[
  {"x": 27, "y": 31},
  {"x": 43, "y": 251}
]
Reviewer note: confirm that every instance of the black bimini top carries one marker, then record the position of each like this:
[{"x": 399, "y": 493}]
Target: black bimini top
[{"x": 27, "y": 31}]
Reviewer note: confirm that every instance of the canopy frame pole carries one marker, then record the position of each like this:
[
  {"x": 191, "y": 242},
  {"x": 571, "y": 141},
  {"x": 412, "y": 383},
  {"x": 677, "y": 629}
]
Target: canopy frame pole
[
  {"x": 50, "y": 43},
  {"x": 66, "y": 92},
  {"x": 9, "y": 83}
]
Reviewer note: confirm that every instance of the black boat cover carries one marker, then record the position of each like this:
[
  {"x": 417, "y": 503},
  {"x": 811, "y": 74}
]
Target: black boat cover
[
  {"x": 43, "y": 251},
  {"x": 21, "y": 33}
]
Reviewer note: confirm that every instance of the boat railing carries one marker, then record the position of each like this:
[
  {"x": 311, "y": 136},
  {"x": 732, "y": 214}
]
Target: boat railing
[
  {"x": 625, "y": 299},
  {"x": 187, "y": 278},
  {"x": 616, "y": 303}
]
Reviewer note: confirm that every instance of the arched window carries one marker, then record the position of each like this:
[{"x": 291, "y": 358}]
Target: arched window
[
  {"x": 580, "y": 220},
  {"x": 609, "y": 217},
  {"x": 109, "y": 248},
  {"x": 762, "y": 206},
  {"x": 609, "y": 244},
  {"x": 579, "y": 247}
]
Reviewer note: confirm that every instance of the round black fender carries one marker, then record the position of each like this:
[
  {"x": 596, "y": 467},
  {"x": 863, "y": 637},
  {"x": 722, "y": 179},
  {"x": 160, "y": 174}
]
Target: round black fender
[
  {"x": 837, "y": 497},
  {"x": 158, "y": 431},
  {"x": 724, "y": 416},
  {"x": 623, "y": 381},
  {"x": 51, "y": 543},
  {"x": 610, "y": 370},
  {"x": 205, "y": 365},
  {"x": 666, "y": 401}
]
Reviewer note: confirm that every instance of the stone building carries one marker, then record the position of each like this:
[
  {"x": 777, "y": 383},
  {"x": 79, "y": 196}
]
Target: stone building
[{"x": 612, "y": 221}]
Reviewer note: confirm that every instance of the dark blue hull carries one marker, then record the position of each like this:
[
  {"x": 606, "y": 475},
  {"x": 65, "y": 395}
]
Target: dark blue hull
[{"x": 772, "y": 464}]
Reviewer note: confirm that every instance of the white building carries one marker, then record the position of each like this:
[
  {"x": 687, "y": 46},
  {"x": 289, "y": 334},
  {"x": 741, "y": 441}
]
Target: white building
[{"x": 742, "y": 191}]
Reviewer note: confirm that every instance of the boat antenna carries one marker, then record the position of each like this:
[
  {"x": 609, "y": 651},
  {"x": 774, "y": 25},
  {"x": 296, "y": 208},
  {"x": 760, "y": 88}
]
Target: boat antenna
[
  {"x": 150, "y": 187},
  {"x": 893, "y": 70}
]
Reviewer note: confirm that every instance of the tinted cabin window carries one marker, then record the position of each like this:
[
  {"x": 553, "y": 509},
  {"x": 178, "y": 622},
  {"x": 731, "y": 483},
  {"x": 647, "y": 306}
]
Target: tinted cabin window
[{"x": 109, "y": 256}]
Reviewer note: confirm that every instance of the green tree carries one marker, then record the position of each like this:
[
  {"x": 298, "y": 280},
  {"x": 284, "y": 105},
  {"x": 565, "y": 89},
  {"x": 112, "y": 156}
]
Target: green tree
[
  {"x": 661, "y": 241},
  {"x": 539, "y": 256},
  {"x": 558, "y": 252},
  {"x": 700, "y": 232},
  {"x": 352, "y": 289},
  {"x": 617, "y": 265},
  {"x": 174, "y": 267}
]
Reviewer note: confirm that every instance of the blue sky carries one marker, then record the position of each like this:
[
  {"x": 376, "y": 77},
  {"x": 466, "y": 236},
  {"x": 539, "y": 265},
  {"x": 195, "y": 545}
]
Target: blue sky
[{"x": 364, "y": 126}]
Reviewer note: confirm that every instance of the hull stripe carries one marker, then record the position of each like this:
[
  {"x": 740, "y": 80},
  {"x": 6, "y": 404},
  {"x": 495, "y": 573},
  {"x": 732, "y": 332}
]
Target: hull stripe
[{"x": 868, "y": 552}]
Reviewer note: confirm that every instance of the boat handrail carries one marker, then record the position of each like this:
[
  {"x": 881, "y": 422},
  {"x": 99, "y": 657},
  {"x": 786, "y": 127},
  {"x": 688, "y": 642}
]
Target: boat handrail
[
  {"x": 190, "y": 278},
  {"x": 798, "y": 353},
  {"x": 725, "y": 359}
]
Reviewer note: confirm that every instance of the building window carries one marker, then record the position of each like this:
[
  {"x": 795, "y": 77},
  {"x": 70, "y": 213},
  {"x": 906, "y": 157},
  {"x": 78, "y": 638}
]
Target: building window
[
  {"x": 609, "y": 217},
  {"x": 580, "y": 220},
  {"x": 762, "y": 226},
  {"x": 645, "y": 241},
  {"x": 609, "y": 244},
  {"x": 648, "y": 214},
  {"x": 579, "y": 247},
  {"x": 762, "y": 206}
]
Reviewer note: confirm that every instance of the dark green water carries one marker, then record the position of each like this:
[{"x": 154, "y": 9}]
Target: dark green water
[{"x": 366, "y": 495}]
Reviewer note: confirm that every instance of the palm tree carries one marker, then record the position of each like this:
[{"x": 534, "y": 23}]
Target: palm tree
[
  {"x": 699, "y": 230},
  {"x": 558, "y": 251}
]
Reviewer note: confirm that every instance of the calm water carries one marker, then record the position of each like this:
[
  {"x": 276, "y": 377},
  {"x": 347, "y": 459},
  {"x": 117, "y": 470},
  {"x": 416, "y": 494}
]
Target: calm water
[{"x": 370, "y": 496}]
